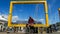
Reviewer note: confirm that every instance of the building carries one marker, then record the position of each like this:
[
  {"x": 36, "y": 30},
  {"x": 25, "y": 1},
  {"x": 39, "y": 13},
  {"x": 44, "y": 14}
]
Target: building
[{"x": 3, "y": 23}]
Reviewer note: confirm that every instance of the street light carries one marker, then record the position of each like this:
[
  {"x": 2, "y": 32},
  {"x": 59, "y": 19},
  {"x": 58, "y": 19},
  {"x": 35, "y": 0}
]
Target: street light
[{"x": 59, "y": 13}]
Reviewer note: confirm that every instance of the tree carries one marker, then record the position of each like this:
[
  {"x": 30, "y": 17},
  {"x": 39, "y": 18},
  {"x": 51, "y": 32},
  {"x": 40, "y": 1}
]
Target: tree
[{"x": 58, "y": 23}]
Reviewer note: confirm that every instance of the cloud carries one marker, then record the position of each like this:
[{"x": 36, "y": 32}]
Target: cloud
[
  {"x": 42, "y": 20},
  {"x": 26, "y": 19},
  {"x": 15, "y": 18},
  {"x": 3, "y": 17},
  {"x": 23, "y": 19}
]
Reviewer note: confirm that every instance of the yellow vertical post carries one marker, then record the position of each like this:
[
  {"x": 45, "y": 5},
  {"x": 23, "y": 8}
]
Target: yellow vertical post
[
  {"x": 46, "y": 14},
  {"x": 10, "y": 15}
]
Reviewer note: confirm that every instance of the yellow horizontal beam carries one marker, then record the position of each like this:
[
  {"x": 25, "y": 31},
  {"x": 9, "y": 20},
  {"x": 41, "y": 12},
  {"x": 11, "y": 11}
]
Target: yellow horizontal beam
[
  {"x": 19, "y": 25},
  {"x": 27, "y": 2},
  {"x": 39, "y": 25},
  {"x": 24, "y": 25}
]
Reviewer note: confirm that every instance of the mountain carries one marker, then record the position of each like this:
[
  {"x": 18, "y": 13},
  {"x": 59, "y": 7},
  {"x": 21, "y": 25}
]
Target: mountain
[{"x": 25, "y": 22}]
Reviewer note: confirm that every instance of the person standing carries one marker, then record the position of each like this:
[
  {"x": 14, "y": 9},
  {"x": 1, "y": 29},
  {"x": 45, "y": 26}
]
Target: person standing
[{"x": 31, "y": 24}]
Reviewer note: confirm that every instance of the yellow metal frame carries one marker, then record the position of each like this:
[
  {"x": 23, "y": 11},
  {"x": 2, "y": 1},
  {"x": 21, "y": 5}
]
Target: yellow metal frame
[{"x": 27, "y": 2}]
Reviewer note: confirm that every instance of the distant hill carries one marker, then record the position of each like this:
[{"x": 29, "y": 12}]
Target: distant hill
[
  {"x": 25, "y": 22},
  {"x": 58, "y": 23}
]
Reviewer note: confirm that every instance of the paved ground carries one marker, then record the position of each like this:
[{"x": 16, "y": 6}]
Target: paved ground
[
  {"x": 30, "y": 33},
  {"x": 55, "y": 33}
]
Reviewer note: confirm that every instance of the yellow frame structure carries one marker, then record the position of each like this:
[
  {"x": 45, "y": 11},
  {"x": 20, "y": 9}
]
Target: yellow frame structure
[{"x": 27, "y": 2}]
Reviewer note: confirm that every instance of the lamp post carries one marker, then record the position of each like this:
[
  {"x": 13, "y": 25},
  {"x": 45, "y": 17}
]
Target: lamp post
[{"x": 59, "y": 13}]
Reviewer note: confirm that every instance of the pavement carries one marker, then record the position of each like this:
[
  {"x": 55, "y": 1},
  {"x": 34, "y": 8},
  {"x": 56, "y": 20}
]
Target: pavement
[{"x": 58, "y": 32}]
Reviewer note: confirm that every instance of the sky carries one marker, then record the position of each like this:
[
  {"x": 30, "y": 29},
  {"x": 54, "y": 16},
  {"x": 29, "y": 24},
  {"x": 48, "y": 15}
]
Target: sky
[{"x": 23, "y": 11}]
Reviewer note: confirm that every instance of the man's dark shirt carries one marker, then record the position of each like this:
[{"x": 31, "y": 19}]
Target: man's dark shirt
[{"x": 30, "y": 20}]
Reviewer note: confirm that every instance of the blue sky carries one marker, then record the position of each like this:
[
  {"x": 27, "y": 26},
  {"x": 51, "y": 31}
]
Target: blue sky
[{"x": 21, "y": 10}]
